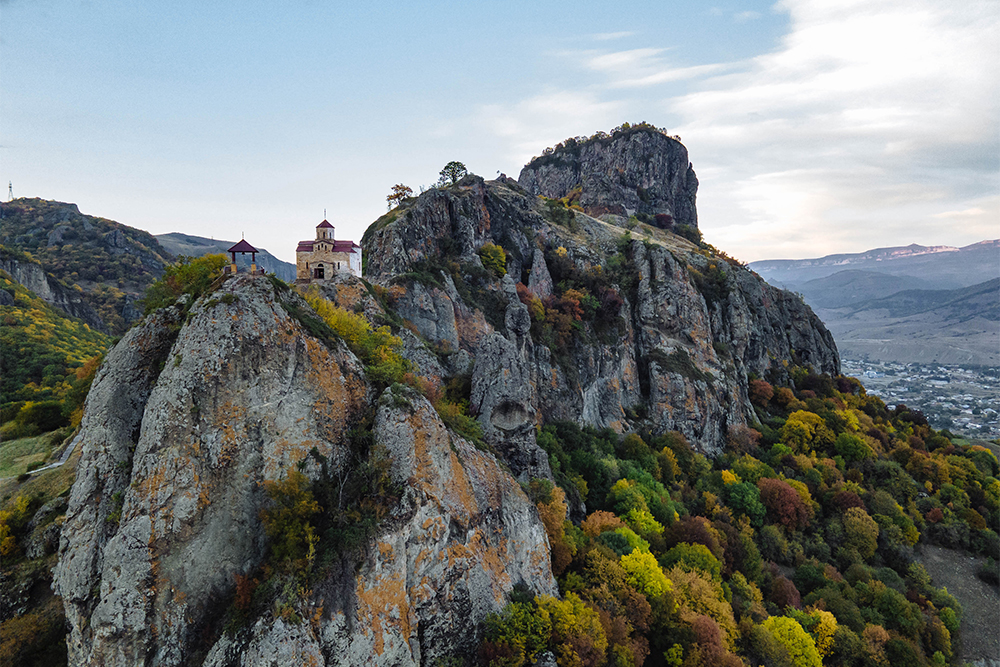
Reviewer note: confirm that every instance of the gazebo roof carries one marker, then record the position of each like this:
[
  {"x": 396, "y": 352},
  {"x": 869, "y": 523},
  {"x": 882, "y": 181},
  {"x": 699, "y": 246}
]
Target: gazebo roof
[
  {"x": 243, "y": 246},
  {"x": 324, "y": 225}
]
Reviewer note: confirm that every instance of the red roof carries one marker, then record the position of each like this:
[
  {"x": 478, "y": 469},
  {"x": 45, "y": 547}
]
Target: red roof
[
  {"x": 324, "y": 225},
  {"x": 243, "y": 246},
  {"x": 338, "y": 246}
]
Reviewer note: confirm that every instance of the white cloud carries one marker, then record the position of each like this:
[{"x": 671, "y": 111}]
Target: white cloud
[
  {"x": 869, "y": 124},
  {"x": 608, "y": 36},
  {"x": 743, "y": 17},
  {"x": 544, "y": 120},
  {"x": 864, "y": 111}
]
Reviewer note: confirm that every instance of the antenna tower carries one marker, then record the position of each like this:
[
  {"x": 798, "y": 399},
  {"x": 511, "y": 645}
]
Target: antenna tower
[{"x": 10, "y": 191}]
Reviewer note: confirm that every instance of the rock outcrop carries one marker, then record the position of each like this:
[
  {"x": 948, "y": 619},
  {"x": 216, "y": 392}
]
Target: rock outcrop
[
  {"x": 51, "y": 291},
  {"x": 203, "y": 405},
  {"x": 188, "y": 418},
  {"x": 677, "y": 333},
  {"x": 635, "y": 170}
]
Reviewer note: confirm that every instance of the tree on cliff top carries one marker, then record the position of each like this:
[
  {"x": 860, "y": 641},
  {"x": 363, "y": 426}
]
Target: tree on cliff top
[{"x": 454, "y": 171}]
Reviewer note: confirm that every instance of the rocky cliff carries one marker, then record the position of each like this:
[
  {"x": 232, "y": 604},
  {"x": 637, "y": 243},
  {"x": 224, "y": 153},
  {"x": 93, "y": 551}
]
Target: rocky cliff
[
  {"x": 111, "y": 264},
  {"x": 192, "y": 413},
  {"x": 511, "y": 306},
  {"x": 609, "y": 327},
  {"x": 49, "y": 289},
  {"x": 636, "y": 170}
]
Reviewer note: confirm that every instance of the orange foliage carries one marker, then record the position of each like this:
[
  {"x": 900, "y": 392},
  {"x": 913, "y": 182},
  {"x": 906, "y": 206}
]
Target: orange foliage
[{"x": 599, "y": 522}]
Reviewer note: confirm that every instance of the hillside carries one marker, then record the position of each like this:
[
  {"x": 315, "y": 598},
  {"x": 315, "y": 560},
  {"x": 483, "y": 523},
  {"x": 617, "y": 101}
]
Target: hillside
[
  {"x": 854, "y": 286},
  {"x": 43, "y": 360},
  {"x": 945, "y": 267},
  {"x": 529, "y": 437},
  {"x": 195, "y": 246},
  {"x": 911, "y": 304},
  {"x": 958, "y": 327},
  {"x": 112, "y": 263}
]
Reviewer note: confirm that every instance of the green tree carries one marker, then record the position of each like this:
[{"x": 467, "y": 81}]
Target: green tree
[
  {"x": 800, "y": 646},
  {"x": 861, "y": 531},
  {"x": 644, "y": 574},
  {"x": 453, "y": 172},
  {"x": 494, "y": 258}
]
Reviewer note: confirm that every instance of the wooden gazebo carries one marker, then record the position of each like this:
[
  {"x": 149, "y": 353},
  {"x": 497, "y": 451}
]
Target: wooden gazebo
[{"x": 243, "y": 248}]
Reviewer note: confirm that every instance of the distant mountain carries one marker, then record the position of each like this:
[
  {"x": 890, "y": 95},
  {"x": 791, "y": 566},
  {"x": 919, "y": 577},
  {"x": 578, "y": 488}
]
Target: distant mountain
[
  {"x": 196, "y": 246},
  {"x": 906, "y": 304},
  {"x": 853, "y": 286},
  {"x": 945, "y": 267},
  {"x": 924, "y": 326},
  {"x": 112, "y": 264},
  {"x": 982, "y": 300}
]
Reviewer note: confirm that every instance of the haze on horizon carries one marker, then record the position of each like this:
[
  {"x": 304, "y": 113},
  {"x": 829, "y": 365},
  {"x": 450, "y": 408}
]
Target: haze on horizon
[{"x": 815, "y": 126}]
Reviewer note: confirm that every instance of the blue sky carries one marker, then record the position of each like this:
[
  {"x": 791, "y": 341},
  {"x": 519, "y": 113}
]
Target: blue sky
[{"x": 815, "y": 126}]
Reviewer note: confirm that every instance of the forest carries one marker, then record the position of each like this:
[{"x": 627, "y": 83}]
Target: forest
[{"x": 795, "y": 546}]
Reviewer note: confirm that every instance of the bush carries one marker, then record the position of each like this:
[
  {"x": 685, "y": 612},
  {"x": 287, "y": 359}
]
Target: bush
[
  {"x": 378, "y": 349},
  {"x": 494, "y": 258},
  {"x": 190, "y": 275}
]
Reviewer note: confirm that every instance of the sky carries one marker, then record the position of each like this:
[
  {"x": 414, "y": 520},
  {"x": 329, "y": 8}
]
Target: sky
[{"x": 814, "y": 126}]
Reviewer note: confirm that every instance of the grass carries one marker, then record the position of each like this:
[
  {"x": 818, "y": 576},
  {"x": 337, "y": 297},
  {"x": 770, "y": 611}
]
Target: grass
[
  {"x": 48, "y": 485},
  {"x": 17, "y": 455}
]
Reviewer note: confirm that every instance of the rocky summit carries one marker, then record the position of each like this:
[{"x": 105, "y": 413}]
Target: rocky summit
[
  {"x": 525, "y": 307},
  {"x": 636, "y": 170}
]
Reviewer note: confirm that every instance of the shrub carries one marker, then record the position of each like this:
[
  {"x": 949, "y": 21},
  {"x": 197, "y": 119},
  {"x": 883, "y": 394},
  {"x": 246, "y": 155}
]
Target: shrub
[
  {"x": 190, "y": 275},
  {"x": 494, "y": 258},
  {"x": 287, "y": 521},
  {"x": 378, "y": 349}
]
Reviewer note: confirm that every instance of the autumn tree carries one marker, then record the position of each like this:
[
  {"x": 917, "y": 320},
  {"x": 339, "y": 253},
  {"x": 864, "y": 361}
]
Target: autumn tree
[
  {"x": 790, "y": 635},
  {"x": 784, "y": 504},
  {"x": 398, "y": 194},
  {"x": 861, "y": 531},
  {"x": 452, "y": 173}
]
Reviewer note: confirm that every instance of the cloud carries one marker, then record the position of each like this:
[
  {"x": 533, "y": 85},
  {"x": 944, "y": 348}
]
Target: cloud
[
  {"x": 870, "y": 123},
  {"x": 868, "y": 111},
  {"x": 546, "y": 119},
  {"x": 743, "y": 17},
  {"x": 608, "y": 36},
  {"x": 637, "y": 68}
]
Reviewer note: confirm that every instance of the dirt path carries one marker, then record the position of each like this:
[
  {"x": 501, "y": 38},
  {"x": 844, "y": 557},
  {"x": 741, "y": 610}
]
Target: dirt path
[{"x": 981, "y": 602}]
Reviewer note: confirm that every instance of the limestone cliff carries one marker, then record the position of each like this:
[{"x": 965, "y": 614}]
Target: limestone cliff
[
  {"x": 203, "y": 405},
  {"x": 667, "y": 337},
  {"x": 189, "y": 416},
  {"x": 49, "y": 289},
  {"x": 634, "y": 170}
]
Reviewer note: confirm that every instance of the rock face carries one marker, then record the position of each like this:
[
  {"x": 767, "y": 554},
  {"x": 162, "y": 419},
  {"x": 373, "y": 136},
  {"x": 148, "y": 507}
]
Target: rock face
[
  {"x": 186, "y": 420},
  {"x": 50, "y": 290},
  {"x": 638, "y": 170},
  {"x": 689, "y": 328},
  {"x": 203, "y": 404}
]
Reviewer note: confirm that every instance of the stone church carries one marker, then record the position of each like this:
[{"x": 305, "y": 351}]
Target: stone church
[{"x": 325, "y": 256}]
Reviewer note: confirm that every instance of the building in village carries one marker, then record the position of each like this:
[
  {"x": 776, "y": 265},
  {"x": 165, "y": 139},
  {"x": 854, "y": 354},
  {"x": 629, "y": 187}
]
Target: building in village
[{"x": 324, "y": 257}]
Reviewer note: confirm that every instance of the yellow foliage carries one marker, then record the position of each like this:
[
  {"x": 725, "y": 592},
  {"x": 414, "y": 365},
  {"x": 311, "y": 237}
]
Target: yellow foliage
[
  {"x": 573, "y": 624},
  {"x": 644, "y": 574},
  {"x": 729, "y": 477},
  {"x": 695, "y": 592},
  {"x": 823, "y": 631}
]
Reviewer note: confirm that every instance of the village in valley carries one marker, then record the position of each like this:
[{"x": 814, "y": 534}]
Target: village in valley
[{"x": 963, "y": 400}]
